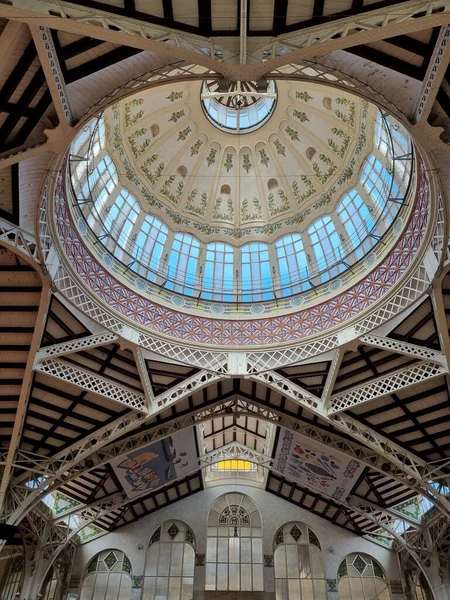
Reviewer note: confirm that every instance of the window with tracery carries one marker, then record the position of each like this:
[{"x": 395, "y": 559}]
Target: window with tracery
[
  {"x": 234, "y": 559},
  {"x": 107, "y": 577},
  {"x": 169, "y": 566},
  {"x": 121, "y": 218},
  {"x": 298, "y": 562},
  {"x": 360, "y": 577},
  {"x": 12, "y": 578}
]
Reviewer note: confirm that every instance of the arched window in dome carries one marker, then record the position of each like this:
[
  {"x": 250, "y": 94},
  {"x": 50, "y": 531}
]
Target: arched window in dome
[
  {"x": 326, "y": 246},
  {"x": 99, "y": 185},
  {"x": 357, "y": 221},
  {"x": 234, "y": 559},
  {"x": 11, "y": 578},
  {"x": 170, "y": 561},
  {"x": 182, "y": 265},
  {"x": 149, "y": 246},
  {"x": 93, "y": 133},
  {"x": 299, "y": 566},
  {"x": 107, "y": 576},
  {"x": 292, "y": 264},
  {"x": 121, "y": 218},
  {"x": 218, "y": 272},
  {"x": 381, "y": 134},
  {"x": 360, "y": 577},
  {"x": 255, "y": 273},
  {"x": 379, "y": 183}
]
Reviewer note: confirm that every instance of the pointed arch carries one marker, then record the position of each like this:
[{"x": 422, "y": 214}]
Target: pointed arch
[{"x": 107, "y": 576}]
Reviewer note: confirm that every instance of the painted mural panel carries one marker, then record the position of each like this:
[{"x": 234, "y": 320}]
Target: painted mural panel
[
  {"x": 315, "y": 466},
  {"x": 157, "y": 464}
]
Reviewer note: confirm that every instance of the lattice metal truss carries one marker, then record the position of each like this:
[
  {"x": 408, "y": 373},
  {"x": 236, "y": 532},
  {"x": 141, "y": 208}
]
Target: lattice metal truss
[
  {"x": 382, "y": 386},
  {"x": 92, "y": 383},
  {"x": 64, "y": 348}
]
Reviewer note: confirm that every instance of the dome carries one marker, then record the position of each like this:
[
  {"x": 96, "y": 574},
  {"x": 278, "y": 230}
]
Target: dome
[{"x": 313, "y": 193}]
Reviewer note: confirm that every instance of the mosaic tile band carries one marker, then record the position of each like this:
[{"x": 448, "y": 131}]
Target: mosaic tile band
[{"x": 257, "y": 332}]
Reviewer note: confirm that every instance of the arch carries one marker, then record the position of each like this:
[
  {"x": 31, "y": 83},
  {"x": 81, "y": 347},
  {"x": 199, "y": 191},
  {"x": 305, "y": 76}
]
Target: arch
[
  {"x": 327, "y": 103},
  {"x": 225, "y": 189},
  {"x": 107, "y": 575},
  {"x": 11, "y": 578},
  {"x": 272, "y": 183},
  {"x": 299, "y": 564},
  {"x": 360, "y": 577},
  {"x": 170, "y": 561},
  {"x": 234, "y": 559}
]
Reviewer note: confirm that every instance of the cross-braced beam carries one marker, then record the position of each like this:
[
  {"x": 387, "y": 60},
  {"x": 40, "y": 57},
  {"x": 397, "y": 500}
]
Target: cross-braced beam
[
  {"x": 92, "y": 382},
  {"x": 434, "y": 76},
  {"x": 405, "y": 348},
  {"x": 85, "y": 343},
  {"x": 371, "y": 26},
  {"x": 385, "y": 385}
]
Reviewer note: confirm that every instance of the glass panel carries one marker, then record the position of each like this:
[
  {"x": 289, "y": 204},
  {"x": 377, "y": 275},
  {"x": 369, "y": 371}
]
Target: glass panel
[
  {"x": 246, "y": 577},
  {"x": 307, "y": 589},
  {"x": 281, "y": 589},
  {"x": 149, "y": 588},
  {"x": 174, "y": 588},
  {"x": 257, "y": 550},
  {"x": 222, "y": 550},
  {"x": 112, "y": 591},
  {"x": 164, "y": 559},
  {"x": 246, "y": 550},
  {"x": 125, "y": 588},
  {"x": 294, "y": 589},
  {"x": 292, "y": 561},
  {"x": 187, "y": 588},
  {"x": 210, "y": 577},
  {"x": 211, "y": 553},
  {"x": 176, "y": 559},
  {"x": 162, "y": 586},
  {"x": 258, "y": 578},
  {"x": 344, "y": 589},
  {"x": 234, "y": 577},
  {"x": 280, "y": 562},
  {"x": 234, "y": 550},
  {"x": 189, "y": 561},
  {"x": 222, "y": 576}
]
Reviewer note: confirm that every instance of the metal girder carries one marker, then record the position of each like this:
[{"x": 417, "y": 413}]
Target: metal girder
[
  {"x": 412, "y": 471},
  {"x": 53, "y": 74},
  {"x": 71, "y": 462},
  {"x": 385, "y": 385},
  {"x": 282, "y": 385},
  {"x": 41, "y": 320},
  {"x": 421, "y": 352},
  {"x": 19, "y": 240},
  {"x": 371, "y": 26},
  {"x": 64, "y": 348},
  {"x": 144, "y": 377},
  {"x": 332, "y": 374},
  {"x": 434, "y": 76},
  {"x": 235, "y": 451},
  {"x": 92, "y": 382}
]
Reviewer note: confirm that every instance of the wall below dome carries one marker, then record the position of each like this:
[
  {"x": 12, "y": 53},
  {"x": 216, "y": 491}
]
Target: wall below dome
[{"x": 134, "y": 539}]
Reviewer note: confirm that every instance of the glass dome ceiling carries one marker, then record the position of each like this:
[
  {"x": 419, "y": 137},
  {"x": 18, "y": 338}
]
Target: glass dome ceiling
[{"x": 198, "y": 212}]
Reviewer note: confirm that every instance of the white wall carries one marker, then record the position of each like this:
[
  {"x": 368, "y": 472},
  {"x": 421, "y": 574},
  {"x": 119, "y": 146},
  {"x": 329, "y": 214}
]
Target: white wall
[{"x": 336, "y": 542}]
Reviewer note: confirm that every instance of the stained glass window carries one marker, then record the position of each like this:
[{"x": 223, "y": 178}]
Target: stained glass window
[
  {"x": 169, "y": 566},
  {"x": 234, "y": 554},
  {"x": 360, "y": 577},
  {"x": 298, "y": 561},
  {"x": 107, "y": 577}
]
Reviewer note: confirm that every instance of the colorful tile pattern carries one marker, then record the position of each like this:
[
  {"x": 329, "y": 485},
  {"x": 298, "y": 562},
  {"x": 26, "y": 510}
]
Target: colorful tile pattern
[{"x": 287, "y": 328}]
